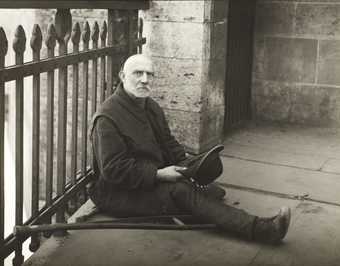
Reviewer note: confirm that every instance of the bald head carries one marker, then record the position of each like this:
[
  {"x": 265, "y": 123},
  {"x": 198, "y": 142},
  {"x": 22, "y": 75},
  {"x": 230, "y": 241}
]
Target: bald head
[{"x": 137, "y": 75}]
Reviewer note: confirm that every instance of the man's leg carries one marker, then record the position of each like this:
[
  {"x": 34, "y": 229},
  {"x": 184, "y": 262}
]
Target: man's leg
[{"x": 230, "y": 219}]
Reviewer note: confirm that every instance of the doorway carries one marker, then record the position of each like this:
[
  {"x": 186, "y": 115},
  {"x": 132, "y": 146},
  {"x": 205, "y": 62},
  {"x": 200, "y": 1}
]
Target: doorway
[{"x": 239, "y": 63}]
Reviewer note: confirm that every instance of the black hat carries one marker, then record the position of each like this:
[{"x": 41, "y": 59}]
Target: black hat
[{"x": 204, "y": 168}]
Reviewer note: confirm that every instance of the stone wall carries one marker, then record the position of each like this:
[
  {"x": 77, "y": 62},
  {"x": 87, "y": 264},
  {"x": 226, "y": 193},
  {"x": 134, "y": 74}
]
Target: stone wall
[
  {"x": 297, "y": 62},
  {"x": 186, "y": 40}
]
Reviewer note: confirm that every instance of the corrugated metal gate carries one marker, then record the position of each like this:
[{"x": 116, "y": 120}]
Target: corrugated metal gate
[{"x": 239, "y": 62}]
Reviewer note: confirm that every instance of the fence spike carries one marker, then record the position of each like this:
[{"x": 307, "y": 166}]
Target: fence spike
[
  {"x": 95, "y": 32},
  {"x": 140, "y": 27},
  {"x": 3, "y": 42},
  {"x": 86, "y": 33},
  {"x": 75, "y": 36},
  {"x": 51, "y": 37},
  {"x": 36, "y": 39},
  {"x": 103, "y": 31},
  {"x": 19, "y": 42},
  {"x": 63, "y": 24}
]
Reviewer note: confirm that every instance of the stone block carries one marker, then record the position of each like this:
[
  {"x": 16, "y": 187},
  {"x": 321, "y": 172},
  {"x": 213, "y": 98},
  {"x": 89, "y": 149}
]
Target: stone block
[
  {"x": 214, "y": 87},
  {"x": 174, "y": 72},
  {"x": 274, "y": 18},
  {"x": 211, "y": 127},
  {"x": 173, "y": 39},
  {"x": 316, "y": 105},
  {"x": 180, "y": 11},
  {"x": 329, "y": 62},
  {"x": 185, "y": 126},
  {"x": 184, "y": 98},
  {"x": 302, "y": 104},
  {"x": 318, "y": 19},
  {"x": 258, "y": 58},
  {"x": 271, "y": 100},
  {"x": 290, "y": 60},
  {"x": 218, "y": 42},
  {"x": 219, "y": 10}
]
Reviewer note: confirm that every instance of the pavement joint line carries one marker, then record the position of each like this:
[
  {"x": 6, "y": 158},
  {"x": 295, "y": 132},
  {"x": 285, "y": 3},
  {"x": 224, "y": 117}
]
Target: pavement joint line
[
  {"x": 278, "y": 164},
  {"x": 304, "y": 197}
]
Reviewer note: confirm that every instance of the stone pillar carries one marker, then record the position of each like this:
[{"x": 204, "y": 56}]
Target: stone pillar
[{"x": 187, "y": 42}]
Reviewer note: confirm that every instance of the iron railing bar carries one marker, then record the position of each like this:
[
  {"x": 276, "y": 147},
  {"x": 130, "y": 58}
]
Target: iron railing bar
[
  {"x": 86, "y": 38},
  {"x": 103, "y": 35},
  {"x": 46, "y": 212},
  {"x": 4, "y": 47},
  {"x": 75, "y": 37},
  {"x": 94, "y": 37},
  {"x": 19, "y": 44},
  {"x": 35, "y": 137},
  {"x": 61, "y": 137},
  {"x": 36, "y": 44},
  {"x": 48, "y": 64},
  {"x": 50, "y": 122}
]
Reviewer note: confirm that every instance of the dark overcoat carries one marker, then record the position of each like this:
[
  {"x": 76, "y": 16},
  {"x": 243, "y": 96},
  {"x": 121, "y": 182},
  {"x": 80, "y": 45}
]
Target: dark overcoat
[{"x": 129, "y": 144}]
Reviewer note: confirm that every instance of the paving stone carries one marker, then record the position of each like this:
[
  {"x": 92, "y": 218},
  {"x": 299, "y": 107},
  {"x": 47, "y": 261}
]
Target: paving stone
[
  {"x": 288, "y": 138},
  {"x": 332, "y": 166},
  {"x": 290, "y": 60},
  {"x": 281, "y": 179},
  {"x": 274, "y": 156},
  {"x": 312, "y": 239}
]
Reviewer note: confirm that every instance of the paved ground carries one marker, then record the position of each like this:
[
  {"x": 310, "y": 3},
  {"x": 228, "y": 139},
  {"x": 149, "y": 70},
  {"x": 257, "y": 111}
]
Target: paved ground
[{"x": 264, "y": 167}]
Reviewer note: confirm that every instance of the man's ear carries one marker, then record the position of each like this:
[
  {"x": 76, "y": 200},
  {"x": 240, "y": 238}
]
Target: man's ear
[{"x": 121, "y": 75}]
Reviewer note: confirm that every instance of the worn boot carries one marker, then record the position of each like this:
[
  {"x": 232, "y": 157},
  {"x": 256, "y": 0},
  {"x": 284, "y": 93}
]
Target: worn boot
[{"x": 273, "y": 229}]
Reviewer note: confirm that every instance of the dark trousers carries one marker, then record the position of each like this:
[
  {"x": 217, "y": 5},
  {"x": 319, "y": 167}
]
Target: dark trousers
[{"x": 176, "y": 198}]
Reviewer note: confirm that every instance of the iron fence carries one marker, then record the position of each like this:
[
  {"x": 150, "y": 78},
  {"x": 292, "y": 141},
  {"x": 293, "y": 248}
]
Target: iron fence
[{"x": 104, "y": 48}]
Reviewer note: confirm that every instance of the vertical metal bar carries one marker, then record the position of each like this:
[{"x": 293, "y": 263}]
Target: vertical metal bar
[
  {"x": 103, "y": 34},
  {"x": 86, "y": 39},
  {"x": 75, "y": 37},
  {"x": 63, "y": 24},
  {"x": 50, "y": 43},
  {"x": 133, "y": 31},
  {"x": 94, "y": 37},
  {"x": 36, "y": 43},
  {"x": 110, "y": 71},
  {"x": 140, "y": 34},
  {"x": 3, "y": 52},
  {"x": 19, "y": 45}
]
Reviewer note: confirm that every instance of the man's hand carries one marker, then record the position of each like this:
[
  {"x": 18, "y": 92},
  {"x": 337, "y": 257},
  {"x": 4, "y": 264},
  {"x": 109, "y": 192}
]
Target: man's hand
[{"x": 170, "y": 174}]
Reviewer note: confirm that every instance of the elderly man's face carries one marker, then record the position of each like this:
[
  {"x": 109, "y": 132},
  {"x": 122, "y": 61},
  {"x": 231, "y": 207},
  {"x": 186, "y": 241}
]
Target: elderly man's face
[{"x": 137, "y": 76}]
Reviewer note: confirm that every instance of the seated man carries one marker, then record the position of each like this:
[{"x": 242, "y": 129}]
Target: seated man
[{"x": 137, "y": 163}]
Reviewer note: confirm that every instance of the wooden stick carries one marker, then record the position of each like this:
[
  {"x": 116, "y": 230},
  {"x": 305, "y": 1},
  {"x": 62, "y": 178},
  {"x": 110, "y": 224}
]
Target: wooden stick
[{"x": 34, "y": 229}]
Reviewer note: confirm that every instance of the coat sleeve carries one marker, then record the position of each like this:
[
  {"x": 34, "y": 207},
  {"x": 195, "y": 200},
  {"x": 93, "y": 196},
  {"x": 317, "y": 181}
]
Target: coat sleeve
[{"x": 115, "y": 164}]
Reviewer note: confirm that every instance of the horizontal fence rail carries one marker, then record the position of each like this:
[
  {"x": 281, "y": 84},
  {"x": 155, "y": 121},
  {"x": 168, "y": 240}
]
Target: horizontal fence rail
[{"x": 66, "y": 88}]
